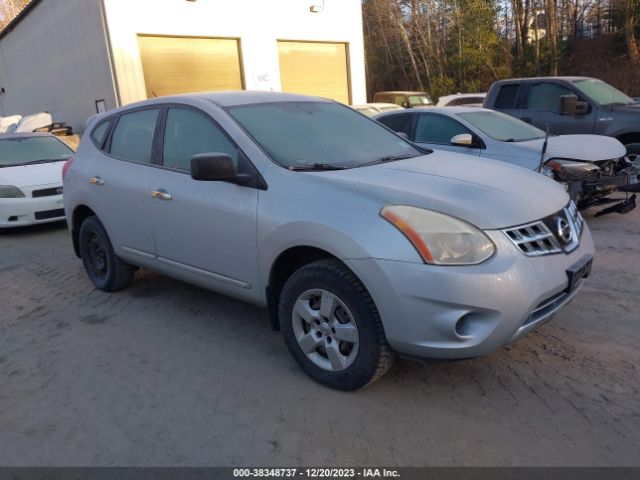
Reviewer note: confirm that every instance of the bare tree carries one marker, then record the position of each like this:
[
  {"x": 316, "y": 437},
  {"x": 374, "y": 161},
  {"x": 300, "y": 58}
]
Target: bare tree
[
  {"x": 629, "y": 27},
  {"x": 552, "y": 39}
]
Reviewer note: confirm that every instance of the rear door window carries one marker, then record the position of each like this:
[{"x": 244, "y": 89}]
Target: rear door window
[
  {"x": 507, "y": 96},
  {"x": 546, "y": 96},
  {"x": 132, "y": 137}
]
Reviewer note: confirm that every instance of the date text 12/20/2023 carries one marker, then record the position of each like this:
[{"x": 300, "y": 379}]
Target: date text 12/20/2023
[{"x": 303, "y": 473}]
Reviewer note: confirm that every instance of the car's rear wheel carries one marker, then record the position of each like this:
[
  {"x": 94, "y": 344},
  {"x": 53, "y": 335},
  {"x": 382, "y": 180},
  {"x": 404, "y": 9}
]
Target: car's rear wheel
[
  {"x": 332, "y": 328},
  {"x": 105, "y": 269}
]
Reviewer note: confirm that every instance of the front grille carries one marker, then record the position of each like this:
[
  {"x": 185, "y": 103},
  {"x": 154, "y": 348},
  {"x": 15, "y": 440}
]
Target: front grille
[
  {"x": 574, "y": 217},
  {"x": 546, "y": 307},
  {"x": 47, "y": 192},
  {"x": 47, "y": 214},
  {"x": 554, "y": 234},
  {"x": 533, "y": 239},
  {"x": 607, "y": 167}
]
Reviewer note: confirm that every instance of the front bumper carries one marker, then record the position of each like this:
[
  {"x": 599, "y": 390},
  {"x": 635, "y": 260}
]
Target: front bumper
[
  {"x": 468, "y": 311},
  {"x": 19, "y": 212}
]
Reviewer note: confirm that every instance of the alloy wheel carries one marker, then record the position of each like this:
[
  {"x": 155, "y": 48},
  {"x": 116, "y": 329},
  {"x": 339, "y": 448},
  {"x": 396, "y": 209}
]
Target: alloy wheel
[{"x": 325, "y": 330}]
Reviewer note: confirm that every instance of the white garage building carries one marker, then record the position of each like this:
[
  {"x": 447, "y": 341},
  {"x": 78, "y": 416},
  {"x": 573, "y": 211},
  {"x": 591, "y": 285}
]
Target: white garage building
[{"x": 74, "y": 57}]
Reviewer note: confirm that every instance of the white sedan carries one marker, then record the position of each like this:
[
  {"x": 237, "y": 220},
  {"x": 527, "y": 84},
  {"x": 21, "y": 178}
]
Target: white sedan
[{"x": 31, "y": 178}]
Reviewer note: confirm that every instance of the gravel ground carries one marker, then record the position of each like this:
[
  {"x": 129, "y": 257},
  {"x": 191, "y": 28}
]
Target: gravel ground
[{"x": 164, "y": 373}]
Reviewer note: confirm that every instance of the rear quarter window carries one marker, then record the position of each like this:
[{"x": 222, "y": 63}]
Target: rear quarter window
[{"x": 99, "y": 133}]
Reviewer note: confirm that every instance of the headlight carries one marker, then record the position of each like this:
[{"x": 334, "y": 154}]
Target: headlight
[
  {"x": 547, "y": 171},
  {"x": 440, "y": 239},
  {"x": 9, "y": 191},
  {"x": 570, "y": 169}
]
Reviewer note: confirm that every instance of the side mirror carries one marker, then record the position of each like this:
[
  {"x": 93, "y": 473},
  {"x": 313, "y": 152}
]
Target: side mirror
[
  {"x": 582, "y": 108},
  {"x": 217, "y": 167},
  {"x": 406, "y": 105},
  {"x": 570, "y": 105},
  {"x": 462, "y": 140}
]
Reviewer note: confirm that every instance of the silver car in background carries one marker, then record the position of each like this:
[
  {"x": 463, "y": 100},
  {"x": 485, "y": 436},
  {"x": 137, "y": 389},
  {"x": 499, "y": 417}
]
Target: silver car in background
[{"x": 358, "y": 243}]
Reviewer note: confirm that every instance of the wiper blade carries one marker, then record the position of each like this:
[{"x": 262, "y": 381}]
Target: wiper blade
[
  {"x": 389, "y": 158},
  {"x": 317, "y": 167}
]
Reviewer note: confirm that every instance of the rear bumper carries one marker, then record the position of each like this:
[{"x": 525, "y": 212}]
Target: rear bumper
[
  {"x": 19, "y": 212},
  {"x": 460, "y": 312}
]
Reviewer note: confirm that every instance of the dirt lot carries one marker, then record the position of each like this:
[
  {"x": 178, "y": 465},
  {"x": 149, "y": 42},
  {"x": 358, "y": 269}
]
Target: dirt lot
[{"x": 168, "y": 374}]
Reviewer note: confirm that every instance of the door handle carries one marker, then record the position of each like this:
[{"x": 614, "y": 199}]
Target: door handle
[
  {"x": 161, "y": 195},
  {"x": 96, "y": 181}
]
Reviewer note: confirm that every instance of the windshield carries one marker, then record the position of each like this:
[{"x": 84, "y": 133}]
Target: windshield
[
  {"x": 420, "y": 100},
  {"x": 21, "y": 151},
  {"x": 603, "y": 93},
  {"x": 298, "y": 134},
  {"x": 500, "y": 126}
]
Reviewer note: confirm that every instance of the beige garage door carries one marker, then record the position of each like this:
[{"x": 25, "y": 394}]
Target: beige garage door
[
  {"x": 185, "y": 64},
  {"x": 315, "y": 69}
]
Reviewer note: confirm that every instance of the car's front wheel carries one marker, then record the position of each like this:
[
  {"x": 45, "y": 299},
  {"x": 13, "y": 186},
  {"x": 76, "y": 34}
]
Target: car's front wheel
[
  {"x": 105, "y": 269},
  {"x": 633, "y": 148},
  {"x": 332, "y": 328}
]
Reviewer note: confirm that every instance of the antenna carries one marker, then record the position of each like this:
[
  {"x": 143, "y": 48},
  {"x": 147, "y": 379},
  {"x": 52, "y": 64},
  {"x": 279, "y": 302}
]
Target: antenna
[{"x": 544, "y": 147}]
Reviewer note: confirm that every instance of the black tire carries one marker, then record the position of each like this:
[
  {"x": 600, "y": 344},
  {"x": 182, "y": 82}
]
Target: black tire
[
  {"x": 105, "y": 269},
  {"x": 633, "y": 148},
  {"x": 373, "y": 357}
]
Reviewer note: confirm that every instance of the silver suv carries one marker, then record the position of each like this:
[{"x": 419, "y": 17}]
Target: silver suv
[{"x": 358, "y": 243}]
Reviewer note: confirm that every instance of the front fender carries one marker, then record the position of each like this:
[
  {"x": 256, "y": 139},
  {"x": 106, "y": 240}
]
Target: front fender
[{"x": 306, "y": 234}]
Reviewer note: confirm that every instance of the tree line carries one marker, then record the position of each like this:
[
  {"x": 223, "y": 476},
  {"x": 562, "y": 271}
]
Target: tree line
[{"x": 446, "y": 46}]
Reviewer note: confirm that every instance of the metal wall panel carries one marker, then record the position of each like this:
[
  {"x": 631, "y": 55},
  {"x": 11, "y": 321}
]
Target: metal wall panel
[{"x": 56, "y": 60}]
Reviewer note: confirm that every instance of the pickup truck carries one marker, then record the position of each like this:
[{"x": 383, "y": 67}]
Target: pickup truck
[
  {"x": 569, "y": 105},
  {"x": 404, "y": 99}
]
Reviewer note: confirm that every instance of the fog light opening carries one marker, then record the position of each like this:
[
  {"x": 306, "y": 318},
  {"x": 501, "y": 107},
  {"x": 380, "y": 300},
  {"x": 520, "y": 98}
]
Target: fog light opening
[
  {"x": 13, "y": 218},
  {"x": 465, "y": 326}
]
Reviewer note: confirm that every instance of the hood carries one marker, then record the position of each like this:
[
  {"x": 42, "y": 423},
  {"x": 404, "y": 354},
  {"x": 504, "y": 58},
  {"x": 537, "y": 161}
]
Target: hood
[
  {"x": 485, "y": 193},
  {"x": 588, "y": 148},
  {"x": 633, "y": 108},
  {"x": 32, "y": 175}
]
